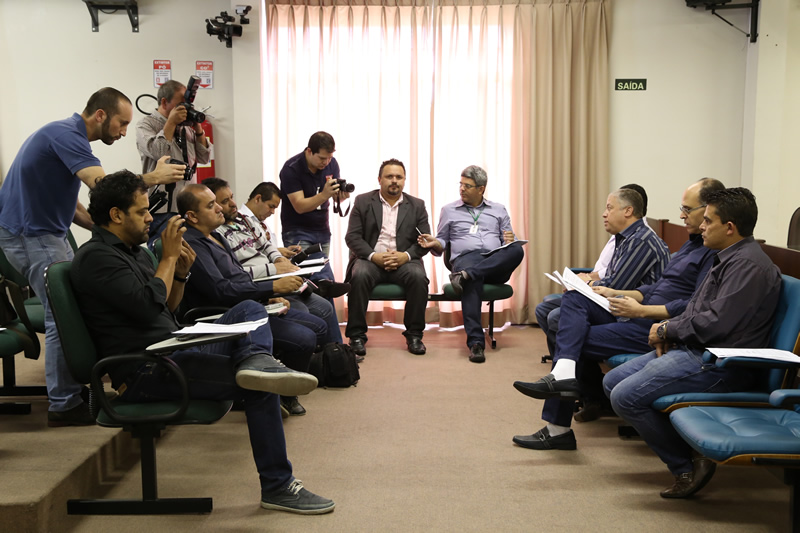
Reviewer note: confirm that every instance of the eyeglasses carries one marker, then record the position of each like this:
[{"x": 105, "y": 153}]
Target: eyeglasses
[
  {"x": 466, "y": 186},
  {"x": 688, "y": 210}
]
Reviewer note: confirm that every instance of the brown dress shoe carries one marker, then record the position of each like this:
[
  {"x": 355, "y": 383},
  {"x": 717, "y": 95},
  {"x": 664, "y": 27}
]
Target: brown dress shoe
[{"x": 689, "y": 483}]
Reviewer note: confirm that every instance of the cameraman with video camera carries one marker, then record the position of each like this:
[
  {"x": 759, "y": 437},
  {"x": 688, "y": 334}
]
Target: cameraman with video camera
[{"x": 173, "y": 129}]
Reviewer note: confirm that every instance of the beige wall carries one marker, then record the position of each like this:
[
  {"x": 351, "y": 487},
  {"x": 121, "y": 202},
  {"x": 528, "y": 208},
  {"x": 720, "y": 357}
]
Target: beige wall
[
  {"x": 715, "y": 104},
  {"x": 688, "y": 123},
  {"x": 52, "y": 62},
  {"x": 772, "y": 160}
]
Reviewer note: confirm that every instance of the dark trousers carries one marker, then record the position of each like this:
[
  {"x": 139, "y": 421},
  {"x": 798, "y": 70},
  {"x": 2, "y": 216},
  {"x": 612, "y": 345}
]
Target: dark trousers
[
  {"x": 365, "y": 275},
  {"x": 587, "y": 334},
  {"x": 295, "y": 337},
  {"x": 210, "y": 372},
  {"x": 494, "y": 269}
]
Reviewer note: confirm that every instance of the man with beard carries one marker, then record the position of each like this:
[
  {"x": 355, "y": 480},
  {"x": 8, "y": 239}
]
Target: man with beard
[
  {"x": 39, "y": 201},
  {"x": 382, "y": 237},
  {"x": 128, "y": 305}
]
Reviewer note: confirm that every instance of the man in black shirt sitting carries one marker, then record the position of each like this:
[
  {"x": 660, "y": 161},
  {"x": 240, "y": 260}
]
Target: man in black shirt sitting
[
  {"x": 127, "y": 305},
  {"x": 733, "y": 307}
]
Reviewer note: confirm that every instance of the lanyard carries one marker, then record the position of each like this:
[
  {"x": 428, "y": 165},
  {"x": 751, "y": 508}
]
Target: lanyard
[{"x": 475, "y": 218}]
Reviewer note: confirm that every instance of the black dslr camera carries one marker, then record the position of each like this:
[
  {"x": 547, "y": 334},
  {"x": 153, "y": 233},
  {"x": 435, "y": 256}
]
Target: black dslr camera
[
  {"x": 192, "y": 114},
  {"x": 188, "y": 172},
  {"x": 344, "y": 186}
]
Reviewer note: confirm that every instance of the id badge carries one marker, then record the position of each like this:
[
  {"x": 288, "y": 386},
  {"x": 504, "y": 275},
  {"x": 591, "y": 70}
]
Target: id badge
[{"x": 473, "y": 229}]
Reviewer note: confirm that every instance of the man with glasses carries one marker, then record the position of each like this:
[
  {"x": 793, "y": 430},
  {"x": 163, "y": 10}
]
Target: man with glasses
[
  {"x": 588, "y": 334},
  {"x": 548, "y": 312},
  {"x": 469, "y": 227}
]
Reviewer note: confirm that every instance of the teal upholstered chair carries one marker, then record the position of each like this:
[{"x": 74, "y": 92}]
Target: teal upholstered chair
[
  {"x": 144, "y": 421},
  {"x": 19, "y": 337},
  {"x": 749, "y": 437}
]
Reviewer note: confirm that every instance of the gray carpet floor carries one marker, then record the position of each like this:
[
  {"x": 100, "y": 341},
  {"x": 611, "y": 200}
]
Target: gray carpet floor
[{"x": 424, "y": 444}]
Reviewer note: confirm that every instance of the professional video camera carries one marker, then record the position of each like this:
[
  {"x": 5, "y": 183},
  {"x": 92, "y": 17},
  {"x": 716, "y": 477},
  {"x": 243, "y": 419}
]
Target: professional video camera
[
  {"x": 192, "y": 114},
  {"x": 225, "y": 32},
  {"x": 344, "y": 186}
]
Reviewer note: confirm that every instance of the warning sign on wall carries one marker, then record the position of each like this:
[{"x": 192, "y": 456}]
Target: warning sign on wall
[
  {"x": 162, "y": 72},
  {"x": 205, "y": 71}
]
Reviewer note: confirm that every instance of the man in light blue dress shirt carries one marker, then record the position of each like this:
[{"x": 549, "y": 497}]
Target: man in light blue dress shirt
[{"x": 469, "y": 227}]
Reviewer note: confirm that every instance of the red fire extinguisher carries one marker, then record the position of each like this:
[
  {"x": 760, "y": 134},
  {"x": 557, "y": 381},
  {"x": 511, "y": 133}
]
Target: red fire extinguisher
[{"x": 207, "y": 170}]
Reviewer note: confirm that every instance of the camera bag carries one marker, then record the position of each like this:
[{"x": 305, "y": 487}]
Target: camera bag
[{"x": 335, "y": 366}]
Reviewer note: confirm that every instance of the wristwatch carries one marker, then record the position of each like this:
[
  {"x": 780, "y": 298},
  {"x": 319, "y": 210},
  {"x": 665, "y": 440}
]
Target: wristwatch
[
  {"x": 182, "y": 280},
  {"x": 661, "y": 331}
]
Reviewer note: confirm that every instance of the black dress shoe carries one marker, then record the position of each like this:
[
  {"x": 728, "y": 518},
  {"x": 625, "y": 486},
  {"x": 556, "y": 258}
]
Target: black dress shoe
[
  {"x": 332, "y": 289},
  {"x": 292, "y": 406},
  {"x": 549, "y": 387},
  {"x": 358, "y": 346},
  {"x": 476, "y": 354},
  {"x": 689, "y": 483},
  {"x": 456, "y": 280},
  {"x": 541, "y": 440},
  {"x": 415, "y": 346}
]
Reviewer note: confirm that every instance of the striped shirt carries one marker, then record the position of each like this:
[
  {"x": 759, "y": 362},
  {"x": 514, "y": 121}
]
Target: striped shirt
[
  {"x": 639, "y": 258},
  {"x": 251, "y": 246}
]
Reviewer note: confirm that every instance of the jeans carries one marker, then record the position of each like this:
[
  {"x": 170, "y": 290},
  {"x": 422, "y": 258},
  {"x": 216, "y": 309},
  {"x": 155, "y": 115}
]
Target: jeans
[
  {"x": 548, "y": 314},
  {"x": 634, "y": 386},
  {"x": 319, "y": 307},
  {"x": 31, "y": 256},
  {"x": 496, "y": 268},
  {"x": 296, "y": 335},
  {"x": 210, "y": 372}
]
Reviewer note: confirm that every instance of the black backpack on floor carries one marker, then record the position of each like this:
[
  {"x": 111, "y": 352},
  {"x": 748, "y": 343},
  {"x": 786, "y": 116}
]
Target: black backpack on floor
[{"x": 335, "y": 366}]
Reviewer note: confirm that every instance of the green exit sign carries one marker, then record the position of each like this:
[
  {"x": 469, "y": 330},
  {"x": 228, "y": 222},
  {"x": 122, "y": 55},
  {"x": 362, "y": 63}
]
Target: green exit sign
[{"x": 624, "y": 84}]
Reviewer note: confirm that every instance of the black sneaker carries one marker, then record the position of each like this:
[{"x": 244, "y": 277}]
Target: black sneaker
[
  {"x": 77, "y": 416},
  {"x": 296, "y": 499},
  {"x": 263, "y": 372},
  {"x": 292, "y": 406}
]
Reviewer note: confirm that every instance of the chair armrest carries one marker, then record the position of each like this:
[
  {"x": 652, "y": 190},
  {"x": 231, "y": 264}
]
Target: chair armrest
[
  {"x": 786, "y": 398},
  {"x": 99, "y": 370}
]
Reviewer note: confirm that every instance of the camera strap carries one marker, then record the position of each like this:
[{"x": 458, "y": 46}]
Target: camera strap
[{"x": 337, "y": 208}]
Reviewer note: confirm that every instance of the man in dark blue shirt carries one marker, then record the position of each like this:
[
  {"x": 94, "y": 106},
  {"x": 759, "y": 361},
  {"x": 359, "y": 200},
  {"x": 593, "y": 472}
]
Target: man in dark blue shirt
[
  {"x": 588, "y": 332},
  {"x": 309, "y": 181},
  {"x": 217, "y": 278}
]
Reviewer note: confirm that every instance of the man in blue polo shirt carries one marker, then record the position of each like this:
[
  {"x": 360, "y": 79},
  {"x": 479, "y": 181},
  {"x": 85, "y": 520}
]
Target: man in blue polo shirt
[
  {"x": 309, "y": 182},
  {"x": 39, "y": 201}
]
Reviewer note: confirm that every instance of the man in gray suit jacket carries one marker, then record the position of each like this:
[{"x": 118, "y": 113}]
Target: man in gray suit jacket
[{"x": 382, "y": 237}]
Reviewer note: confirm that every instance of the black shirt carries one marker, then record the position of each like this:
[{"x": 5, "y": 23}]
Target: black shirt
[
  {"x": 734, "y": 306},
  {"x": 123, "y": 303}
]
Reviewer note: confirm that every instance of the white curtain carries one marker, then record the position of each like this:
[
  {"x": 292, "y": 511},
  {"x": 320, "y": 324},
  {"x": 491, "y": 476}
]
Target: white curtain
[{"x": 519, "y": 89}]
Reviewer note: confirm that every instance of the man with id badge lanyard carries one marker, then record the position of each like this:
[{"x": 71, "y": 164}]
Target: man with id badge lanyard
[{"x": 471, "y": 226}]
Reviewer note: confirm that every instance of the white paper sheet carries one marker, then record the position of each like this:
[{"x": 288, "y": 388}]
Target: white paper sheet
[{"x": 758, "y": 353}]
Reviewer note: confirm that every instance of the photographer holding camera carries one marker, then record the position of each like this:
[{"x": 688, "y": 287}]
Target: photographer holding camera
[
  {"x": 173, "y": 129},
  {"x": 309, "y": 181}
]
